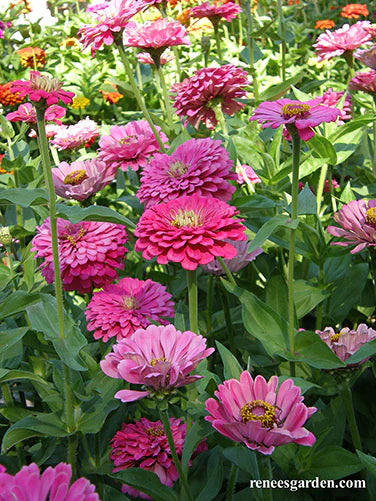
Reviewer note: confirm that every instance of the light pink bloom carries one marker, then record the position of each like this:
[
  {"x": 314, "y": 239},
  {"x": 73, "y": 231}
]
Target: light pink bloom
[
  {"x": 89, "y": 253},
  {"x": 207, "y": 88},
  {"x": 53, "y": 484},
  {"x": 189, "y": 230},
  {"x": 41, "y": 87},
  {"x": 357, "y": 225},
  {"x": 79, "y": 180},
  {"x": 83, "y": 133},
  {"x": 364, "y": 81},
  {"x": 200, "y": 166},
  {"x": 331, "y": 98},
  {"x": 367, "y": 56},
  {"x": 347, "y": 342},
  {"x": 346, "y": 39},
  {"x": 242, "y": 258},
  {"x": 159, "y": 357},
  {"x": 246, "y": 175},
  {"x": 303, "y": 115},
  {"x": 122, "y": 308},
  {"x": 51, "y": 130},
  {"x": 96, "y": 7},
  {"x": 216, "y": 11},
  {"x": 256, "y": 413},
  {"x": 26, "y": 113},
  {"x": 145, "y": 58}
]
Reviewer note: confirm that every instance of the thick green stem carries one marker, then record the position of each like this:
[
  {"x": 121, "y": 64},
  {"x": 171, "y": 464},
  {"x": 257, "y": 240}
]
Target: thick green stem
[
  {"x": 218, "y": 42},
  {"x": 350, "y": 415},
  {"x": 320, "y": 187},
  {"x": 250, "y": 42},
  {"x": 231, "y": 482},
  {"x": 166, "y": 99},
  {"x": 331, "y": 190},
  {"x": 265, "y": 469},
  {"x": 16, "y": 180},
  {"x": 226, "y": 270},
  {"x": 175, "y": 50},
  {"x": 192, "y": 300}
]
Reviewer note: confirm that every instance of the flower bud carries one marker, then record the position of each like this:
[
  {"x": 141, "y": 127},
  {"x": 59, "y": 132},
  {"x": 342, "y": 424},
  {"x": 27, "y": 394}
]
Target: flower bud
[{"x": 5, "y": 236}]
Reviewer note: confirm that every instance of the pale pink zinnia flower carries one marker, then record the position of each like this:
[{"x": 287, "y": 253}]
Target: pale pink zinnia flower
[
  {"x": 83, "y": 133},
  {"x": 51, "y": 130},
  {"x": 364, "y": 81},
  {"x": 54, "y": 484},
  {"x": 26, "y": 113},
  {"x": 89, "y": 253},
  {"x": 367, "y": 56},
  {"x": 332, "y": 98},
  {"x": 122, "y": 308},
  {"x": 145, "y": 58},
  {"x": 189, "y": 230},
  {"x": 129, "y": 145},
  {"x": 41, "y": 87},
  {"x": 357, "y": 225},
  {"x": 216, "y": 11},
  {"x": 242, "y": 258},
  {"x": 207, "y": 88},
  {"x": 200, "y": 166},
  {"x": 245, "y": 174},
  {"x": 346, "y": 342},
  {"x": 81, "y": 179},
  {"x": 159, "y": 357},
  {"x": 256, "y": 413},
  {"x": 303, "y": 115}
]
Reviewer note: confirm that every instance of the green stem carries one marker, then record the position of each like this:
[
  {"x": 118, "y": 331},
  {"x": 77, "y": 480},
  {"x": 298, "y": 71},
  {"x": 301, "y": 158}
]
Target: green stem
[
  {"x": 250, "y": 41},
  {"x": 16, "y": 180},
  {"x": 331, "y": 190},
  {"x": 192, "y": 300},
  {"x": 320, "y": 187},
  {"x": 218, "y": 42},
  {"x": 283, "y": 39},
  {"x": 166, "y": 98},
  {"x": 350, "y": 415},
  {"x": 224, "y": 267},
  {"x": 227, "y": 314},
  {"x": 265, "y": 469},
  {"x": 209, "y": 302},
  {"x": 72, "y": 453},
  {"x": 231, "y": 482},
  {"x": 11, "y": 267},
  {"x": 177, "y": 62},
  {"x": 320, "y": 306},
  {"x": 9, "y": 402}
]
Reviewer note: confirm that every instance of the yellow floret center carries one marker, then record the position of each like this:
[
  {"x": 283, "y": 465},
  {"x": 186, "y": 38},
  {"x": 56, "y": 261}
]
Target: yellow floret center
[
  {"x": 177, "y": 169},
  {"x": 261, "y": 411},
  {"x": 295, "y": 110},
  {"x": 154, "y": 361},
  {"x": 75, "y": 177},
  {"x": 127, "y": 139},
  {"x": 186, "y": 218},
  {"x": 371, "y": 217},
  {"x": 129, "y": 303},
  {"x": 158, "y": 431},
  {"x": 335, "y": 337},
  {"x": 73, "y": 239}
]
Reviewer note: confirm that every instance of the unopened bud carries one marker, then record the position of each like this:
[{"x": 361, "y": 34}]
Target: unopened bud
[{"x": 5, "y": 236}]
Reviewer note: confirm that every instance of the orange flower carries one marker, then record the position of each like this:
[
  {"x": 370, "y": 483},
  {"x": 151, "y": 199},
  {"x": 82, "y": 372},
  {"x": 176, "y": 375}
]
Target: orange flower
[
  {"x": 28, "y": 54},
  {"x": 8, "y": 98},
  {"x": 184, "y": 17},
  {"x": 111, "y": 97},
  {"x": 324, "y": 24},
  {"x": 69, "y": 42},
  {"x": 354, "y": 10}
]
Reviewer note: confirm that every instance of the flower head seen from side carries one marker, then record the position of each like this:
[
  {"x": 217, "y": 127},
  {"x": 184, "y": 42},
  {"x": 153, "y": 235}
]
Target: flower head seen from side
[
  {"x": 120, "y": 309},
  {"x": 31, "y": 57},
  {"x": 245, "y": 174},
  {"x": 332, "y": 98},
  {"x": 242, "y": 258},
  {"x": 324, "y": 24},
  {"x": 302, "y": 115},
  {"x": 364, "y": 81},
  {"x": 70, "y": 137},
  {"x": 145, "y": 58},
  {"x": 53, "y": 483},
  {"x": 160, "y": 358},
  {"x": 42, "y": 88},
  {"x": 367, "y": 56},
  {"x": 255, "y": 412},
  {"x": 354, "y": 10},
  {"x": 200, "y": 166},
  {"x": 26, "y": 113},
  {"x": 111, "y": 97},
  {"x": 90, "y": 253},
  {"x": 189, "y": 230},
  {"x": 357, "y": 225},
  {"x": 216, "y": 11},
  {"x": 197, "y": 97}
]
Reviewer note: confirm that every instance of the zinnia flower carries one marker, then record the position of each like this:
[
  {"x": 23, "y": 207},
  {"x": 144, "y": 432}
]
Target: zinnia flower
[
  {"x": 216, "y": 11},
  {"x": 159, "y": 357},
  {"x": 364, "y": 81},
  {"x": 81, "y": 179},
  {"x": 367, "y": 56},
  {"x": 198, "y": 96},
  {"x": 303, "y": 115},
  {"x": 145, "y": 58},
  {"x": 189, "y": 230},
  {"x": 357, "y": 225},
  {"x": 83, "y": 133},
  {"x": 89, "y": 253},
  {"x": 41, "y": 87},
  {"x": 9, "y": 97},
  {"x": 332, "y": 98},
  {"x": 256, "y": 413},
  {"x": 80, "y": 102},
  {"x": 347, "y": 342},
  {"x": 31, "y": 57},
  {"x": 354, "y": 10},
  {"x": 247, "y": 175},
  {"x": 129, "y": 145},
  {"x": 53, "y": 484},
  {"x": 122, "y": 308},
  {"x": 324, "y": 24},
  {"x": 242, "y": 258},
  {"x": 199, "y": 166},
  {"x": 26, "y": 113},
  {"x": 111, "y": 97}
]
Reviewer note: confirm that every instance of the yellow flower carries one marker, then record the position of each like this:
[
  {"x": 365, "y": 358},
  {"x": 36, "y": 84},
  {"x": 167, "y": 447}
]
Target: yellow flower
[{"x": 80, "y": 102}]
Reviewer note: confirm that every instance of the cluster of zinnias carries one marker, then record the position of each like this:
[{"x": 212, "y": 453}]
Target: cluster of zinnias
[
  {"x": 120, "y": 309},
  {"x": 26, "y": 113},
  {"x": 256, "y": 413},
  {"x": 216, "y": 11},
  {"x": 89, "y": 253},
  {"x": 32, "y": 57},
  {"x": 354, "y": 10},
  {"x": 69, "y": 137},
  {"x": 364, "y": 81},
  {"x": 9, "y": 97},
  {"x": 53, "y": 484},
  {"x": 242, "y": 258},
  {"x": 42, "y": 88}
]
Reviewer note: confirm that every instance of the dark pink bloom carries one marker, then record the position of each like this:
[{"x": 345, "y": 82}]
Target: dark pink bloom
[
  {"x": 41, "y": 87},
  {"x": 256, "y": 413},
  {"x": 332, "y": 98},
  {"x": 199, "y": 166},
  {"x": 89, "y": 253},
  {"x": 53, "y": 484},
  {"x": 247, "y": 175},
  {"x": 83, "y": 133},
  {"x": 335, "y": 185},
  {"x": 357, "y": 225},
  {"x": 367, "y": 56},
  {"x": 122, "y": 308},
  {"x": 189, "y": 230},
  {"x": 198, "y": 96},
  {"x": 129, "y": 145},
  {"x": 26, "y": 113},
  {"x": 242, "y": 258},
  {"x": 145, "y": 58},
  {"x": 304, "y": 115},
  {"x": 216, "y": 11},
  {"x": 364, "y": 81},
  {"x": 159, "y": 357},
  {"x": 347, "y": 342}
]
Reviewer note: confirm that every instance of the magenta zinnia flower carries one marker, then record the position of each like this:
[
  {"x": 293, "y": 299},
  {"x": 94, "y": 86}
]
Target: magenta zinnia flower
[
  {"x": 256, "y": 413},
  {"x": 129, "y": 145},
  {"x": 332, "y": 98},
  {"x": 210, "y": 87},
  {"x": 358, "y": 225},
  {"x": 364, "y": 81},
  {"x": 53, "y": 484},
  {"x": 158, "y": 357},
  {"x": 199, "y": 166},
  {"x": 303, "y": 115},
  {"x": 242, "y": 258},
  {"x": 216, "y": 11},
  {"x": 89, "y": 253},
  {"x": 189, "y": 230},
  {"x": 83, "y": 133},
  {"x": 122, "y": 308},
  {"x": 26, "y": 113},
  {"x": 82, "y": 179},
  {"x": 41, "y": 87}
]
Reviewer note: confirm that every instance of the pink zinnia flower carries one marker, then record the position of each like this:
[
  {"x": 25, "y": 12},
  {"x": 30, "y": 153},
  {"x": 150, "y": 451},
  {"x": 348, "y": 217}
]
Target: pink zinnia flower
[
  {"x": 367, "y": 56},
  {"x": 358, "y": 225},
  {"x": 339, "y": 42},
  {"x": 159, "y": 357},
  {"x": 83, "y": 133},
  {"x": 364, "y": 81},
  {"x": 26, "y": 113},
  {"x": 242, "y": 258},
  {"x": 53, "y": 484},
  {"x": 189, "y": 230},
  {"x": 129, "y": 145},
  {"x": 122, "y": 308},
  {"x": 51, "y": 130},
  {"x": 41, "y": 87},
  {"x": 199, "y": 166},
  {"x": 331, "y": 98},
  {"x": 256, "y": 413},
  {"x": 210, "y": 87},
  {"x": 247, "y": 175},
  {"x": 303, "y": 115},
  {"x": 145, "y": 58},
  {"x": 96, "y": 7},
  {"x": 89, "y": 253},
  {"x": 216, "y": 11},
  {"x": 347, "y": 342},
  {"x": 79, "y": 180}
]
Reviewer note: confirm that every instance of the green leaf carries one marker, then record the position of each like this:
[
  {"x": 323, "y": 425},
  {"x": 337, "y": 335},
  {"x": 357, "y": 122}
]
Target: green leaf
[
  {"x": 15, "y": 436},
  {"x": 269, "y": 227},
  {"x": 347, "y": 144},
  {"x": 10, "y": 337},
  {"x": 365, "y": 351},
  {"x": 298, "y": 381},
  {"x": 214, "y": 482},
  {"x": 306, "y": 202},
  {"x": 76, "y": 214},
  {"x": 333, "y": 463},
  {"x": 147, "y": 482},
  {"x": 10, "y": 375},
  {"x": 276, "y": 295},
  {"x": 17, "y": 302},
  {"x": 347, "y": 194},
  {"x": 231, "y": 367},
  {"x": 243, "y": 458},
  {"x": 197, "y": 433},
  {"x": 306, "y": 297},
  {"x": 279, "y": 90},
  {"x": 23, "y": 197},
  {"x": 368, "y": 461},
  {"x": 323, "y": 148}
]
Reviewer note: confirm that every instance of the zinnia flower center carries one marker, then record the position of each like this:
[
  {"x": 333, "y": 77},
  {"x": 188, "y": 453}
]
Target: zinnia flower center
[
  {"x": 177, "y": 169},
  {"x": 335, "y": 337},
  {"x": 188, "y": 218},
  {"x": 129, "y": 303},
  {"x": 73, "y": 239},
  {"x": 158, "y": 431},
  {"x": 75, "y": 177},
  {"x": 258, "y": 410},
  {"x": 295, "y": 110},
  {"x": 154, "y": 361},
  {"x": 127, "y": 139},
  {"x": 371, "y": 217},
  {"x": 41, "y": 82}
]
